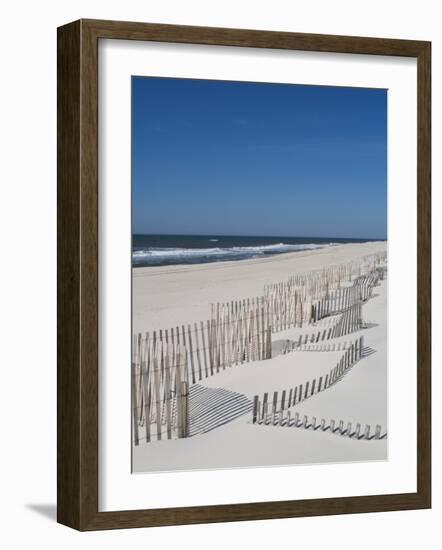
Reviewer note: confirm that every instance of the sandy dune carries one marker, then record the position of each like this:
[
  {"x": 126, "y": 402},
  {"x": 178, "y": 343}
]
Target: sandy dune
[{"x": 166, "y": 296}]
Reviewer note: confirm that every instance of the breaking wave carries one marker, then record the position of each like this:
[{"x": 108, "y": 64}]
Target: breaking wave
[{"x": 167, "y": 256}]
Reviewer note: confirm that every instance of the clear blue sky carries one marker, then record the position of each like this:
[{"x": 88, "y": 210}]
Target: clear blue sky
[{"x": 238, "y": 158}]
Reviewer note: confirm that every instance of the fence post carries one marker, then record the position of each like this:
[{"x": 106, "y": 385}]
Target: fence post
[
  {"x": 197, "y": 352},
  {"x": 157, "y": 396},
  {"x": 210, "y": 345},
  {"x": 147, "y": 392},
  {"x": 167, "y": 388},
  {"x": 204, "y": 350},
  {"x": 289, "y": 403},
  {"x": 179, "y": 396},
  {"x": 269, "y": 343},
  {"x": 189, "y": 338},
  {"x": 185, "y": 393},
  {"x": 255, "y": 409},
  {"x": 134, "y": 406},
  {"x": 275, "y": 400},
  {"x": 306, "y": 389},
  {"x": 265, "y": 407}
]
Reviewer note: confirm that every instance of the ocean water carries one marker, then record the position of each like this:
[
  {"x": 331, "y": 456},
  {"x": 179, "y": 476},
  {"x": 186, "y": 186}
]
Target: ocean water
[{"x": 157, "y": 250}]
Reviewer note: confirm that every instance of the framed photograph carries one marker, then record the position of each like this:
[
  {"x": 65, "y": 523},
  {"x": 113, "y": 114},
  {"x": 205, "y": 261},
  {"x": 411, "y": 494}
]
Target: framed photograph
[{"x": 243, "y": 275}]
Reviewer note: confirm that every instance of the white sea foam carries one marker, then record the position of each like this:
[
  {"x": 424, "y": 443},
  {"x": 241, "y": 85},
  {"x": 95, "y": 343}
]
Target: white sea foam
[{"x": 235, "y": 252}]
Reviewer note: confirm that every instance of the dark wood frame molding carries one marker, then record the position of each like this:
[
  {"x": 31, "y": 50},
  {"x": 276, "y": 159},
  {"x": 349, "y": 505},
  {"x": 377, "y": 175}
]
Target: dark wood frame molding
[{"x": 77, "y": 225}]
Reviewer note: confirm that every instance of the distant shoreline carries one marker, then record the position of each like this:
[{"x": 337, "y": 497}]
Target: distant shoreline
[
  {"x": 173, "y": 250},
  {"x": 243, "y": 261},
  {"x": 165, "y": 295}
]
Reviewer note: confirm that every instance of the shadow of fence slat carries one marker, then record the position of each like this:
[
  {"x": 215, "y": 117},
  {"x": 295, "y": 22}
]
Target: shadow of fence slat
[
  {"x": 343, "y": 429},
  {"x": 264, "y": 413}
]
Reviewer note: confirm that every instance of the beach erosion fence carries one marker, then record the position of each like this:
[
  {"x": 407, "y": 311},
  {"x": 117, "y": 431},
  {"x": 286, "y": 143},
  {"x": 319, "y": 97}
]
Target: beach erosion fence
[
  {"x": 340, "y": 299},
  {"x": 332, "y": 426},
  {"x": 166, "y": 362},
  {"x": 275, "y": 411},
  {"x": 240, "y": 332},
  {"x": 349, "y": 321},
  {"x": 305, "y": 299},
  {"x": 290, "y": 302},
  {"x": 160, "y": 389}
]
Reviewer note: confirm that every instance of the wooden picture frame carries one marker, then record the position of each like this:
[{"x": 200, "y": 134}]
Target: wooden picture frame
[{"x": 77, "y": 461}]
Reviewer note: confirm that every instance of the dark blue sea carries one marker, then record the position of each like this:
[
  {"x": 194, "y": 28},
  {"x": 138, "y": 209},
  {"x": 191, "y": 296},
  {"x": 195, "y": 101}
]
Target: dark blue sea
[{"x": 157, "y": 250}]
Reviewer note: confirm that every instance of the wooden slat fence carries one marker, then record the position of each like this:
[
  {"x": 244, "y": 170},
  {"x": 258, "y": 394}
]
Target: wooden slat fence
[
  {"x": 166, "y": 362},
  {"x": 286, "y": 307},
  {"x": 341, "y": 299},
  {"x": 267, "y": 411},
  {"x": 348, "y": 322},
  {"x": 316, "y": 283},
  {"x": 288, "y": 420},
  {"x": 235, "y": 335},
  {"x": 160, "y": 387},
  {"x": 307, "y": 298},
  {"x": 337, "y": 346},
  {"x": 240, "y": 332}
]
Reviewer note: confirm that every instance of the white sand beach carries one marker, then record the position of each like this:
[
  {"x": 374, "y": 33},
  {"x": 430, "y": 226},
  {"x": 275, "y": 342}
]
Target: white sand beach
[
  {"x": 177, "y": 295},
  {"x": 165, "y": 296}
]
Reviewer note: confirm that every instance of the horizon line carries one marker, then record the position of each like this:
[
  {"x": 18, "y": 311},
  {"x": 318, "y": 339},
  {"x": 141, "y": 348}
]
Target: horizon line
[{"x": 268, "y": 236}]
